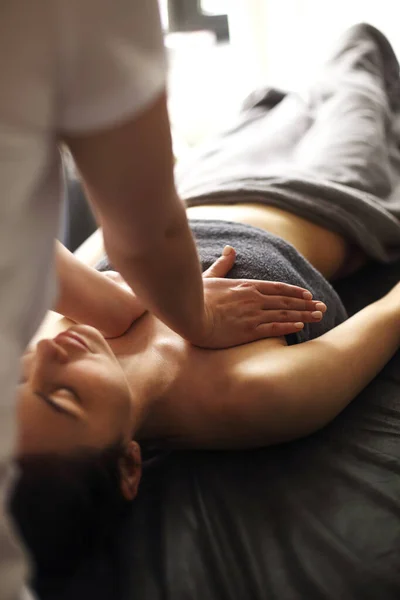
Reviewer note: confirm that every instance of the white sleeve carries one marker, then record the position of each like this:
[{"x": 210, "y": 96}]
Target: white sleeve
[{"x": 111, "y": 61}]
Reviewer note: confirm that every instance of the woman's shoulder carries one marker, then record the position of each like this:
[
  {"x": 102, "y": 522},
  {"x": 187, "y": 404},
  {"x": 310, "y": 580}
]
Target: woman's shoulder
[{"x": 210, "y": 392}]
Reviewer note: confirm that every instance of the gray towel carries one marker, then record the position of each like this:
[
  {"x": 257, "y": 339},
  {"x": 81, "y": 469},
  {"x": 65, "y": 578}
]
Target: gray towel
[
  {"x": 261, "y": 255},
  {"x": 330, "y": 154}
]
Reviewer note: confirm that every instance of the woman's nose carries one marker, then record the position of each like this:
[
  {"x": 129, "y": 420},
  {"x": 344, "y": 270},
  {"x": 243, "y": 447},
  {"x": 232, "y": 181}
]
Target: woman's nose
[{"x": 49, "y": 356}]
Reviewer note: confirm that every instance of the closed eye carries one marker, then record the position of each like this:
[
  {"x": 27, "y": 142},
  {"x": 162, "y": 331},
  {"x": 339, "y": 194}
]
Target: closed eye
[
  {"x": 55, "y": 406},
  {"x": 69, "y": 391},
  {"x": 66, "y": 391}
]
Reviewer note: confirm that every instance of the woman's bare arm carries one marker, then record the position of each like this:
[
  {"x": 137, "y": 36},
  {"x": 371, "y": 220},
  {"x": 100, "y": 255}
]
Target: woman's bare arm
[
  {"x": 87, "y": 296},
  {"x": 89, "y": 253},
  {"x": 290, "y": 392}
]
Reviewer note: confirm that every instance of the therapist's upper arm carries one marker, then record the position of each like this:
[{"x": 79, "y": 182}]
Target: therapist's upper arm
[{"x": 128, "y": 173}]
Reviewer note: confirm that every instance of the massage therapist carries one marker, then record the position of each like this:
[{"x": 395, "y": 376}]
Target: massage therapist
[{"x": 91, "y": 74}]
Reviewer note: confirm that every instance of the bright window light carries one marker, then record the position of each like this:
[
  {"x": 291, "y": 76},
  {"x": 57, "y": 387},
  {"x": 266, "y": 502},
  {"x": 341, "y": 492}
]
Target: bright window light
[{"x": 215, "y": 7}]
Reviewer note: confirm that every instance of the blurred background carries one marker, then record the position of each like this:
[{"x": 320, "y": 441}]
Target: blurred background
[{"x": 220, "y": 50}]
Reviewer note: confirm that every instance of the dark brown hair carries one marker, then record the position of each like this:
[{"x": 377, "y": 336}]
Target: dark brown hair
[{"x": 64, "y": 506}]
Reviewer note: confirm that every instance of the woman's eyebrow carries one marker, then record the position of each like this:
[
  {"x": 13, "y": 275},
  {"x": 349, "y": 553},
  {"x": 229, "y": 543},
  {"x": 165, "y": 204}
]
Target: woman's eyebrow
[{"x": 55, "y": 406}]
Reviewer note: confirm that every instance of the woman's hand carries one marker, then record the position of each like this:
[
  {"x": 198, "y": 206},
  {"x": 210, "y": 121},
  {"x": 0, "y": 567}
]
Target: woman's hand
[{"x": 238, "y": 311}]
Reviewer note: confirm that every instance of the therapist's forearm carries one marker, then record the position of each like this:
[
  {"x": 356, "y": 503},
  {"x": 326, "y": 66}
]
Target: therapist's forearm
[
  {"x": 128, "y": 175},
  {"x": 166, "y": 274}
]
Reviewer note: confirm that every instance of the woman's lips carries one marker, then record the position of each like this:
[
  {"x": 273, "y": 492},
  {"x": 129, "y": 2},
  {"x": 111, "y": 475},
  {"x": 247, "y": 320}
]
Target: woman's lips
[{"x": 73, "y": 337}]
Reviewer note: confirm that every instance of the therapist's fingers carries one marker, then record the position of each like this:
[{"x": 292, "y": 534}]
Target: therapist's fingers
[
  {"x": 289, "y": 303},
  {"x": 276, "y": 288},
  {"x": 291, "y": 316},
  {"x": 223, "y": 264}
]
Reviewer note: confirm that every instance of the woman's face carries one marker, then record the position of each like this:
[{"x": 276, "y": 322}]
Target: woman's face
[{"x": 73, "y": 393}]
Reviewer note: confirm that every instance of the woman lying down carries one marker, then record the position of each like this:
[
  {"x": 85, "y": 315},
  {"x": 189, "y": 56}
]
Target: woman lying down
[{"x": 86, "y": 400}]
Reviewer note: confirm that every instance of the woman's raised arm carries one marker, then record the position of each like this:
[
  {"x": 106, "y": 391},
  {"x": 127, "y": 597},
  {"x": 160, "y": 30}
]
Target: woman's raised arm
[
  {"x": 87, "y": 296},
  {"x": 292, "y": 391}
]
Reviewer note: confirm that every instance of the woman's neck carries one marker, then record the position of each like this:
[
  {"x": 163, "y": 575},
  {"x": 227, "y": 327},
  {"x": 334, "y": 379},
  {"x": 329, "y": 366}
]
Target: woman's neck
[{"x": 151, "y": 357}]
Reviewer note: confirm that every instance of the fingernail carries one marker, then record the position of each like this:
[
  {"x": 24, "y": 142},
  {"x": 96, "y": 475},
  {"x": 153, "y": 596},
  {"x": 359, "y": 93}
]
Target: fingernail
[
  {"x": 227, "y": 250},
  {"x": 317, "y": 314},
  {"x": 307, "y": 295},
  {"x": 299, "y": 325},
  {"x": 320, "y": 306}
]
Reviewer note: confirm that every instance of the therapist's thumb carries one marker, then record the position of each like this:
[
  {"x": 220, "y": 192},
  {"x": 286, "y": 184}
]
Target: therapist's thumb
[{"x": 223, "y": 264}]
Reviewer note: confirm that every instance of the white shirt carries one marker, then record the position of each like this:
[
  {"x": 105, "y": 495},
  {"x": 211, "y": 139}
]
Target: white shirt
[{"x": 65, "y": 66}]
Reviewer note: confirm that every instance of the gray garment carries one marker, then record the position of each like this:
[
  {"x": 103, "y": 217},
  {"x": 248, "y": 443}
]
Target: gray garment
[{"x": 329, "y": 154}]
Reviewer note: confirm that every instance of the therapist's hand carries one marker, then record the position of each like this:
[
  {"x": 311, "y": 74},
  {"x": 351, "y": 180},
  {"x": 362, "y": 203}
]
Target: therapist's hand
[{"x": 238, "y": 311}]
